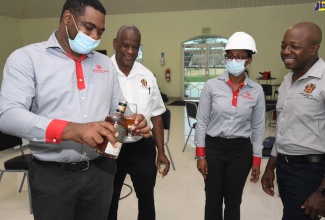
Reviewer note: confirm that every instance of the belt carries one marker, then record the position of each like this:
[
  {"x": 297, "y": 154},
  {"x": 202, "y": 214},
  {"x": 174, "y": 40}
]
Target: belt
[
  {"x": 311, "y": 158},
  {"x": 77, "y": 166}
]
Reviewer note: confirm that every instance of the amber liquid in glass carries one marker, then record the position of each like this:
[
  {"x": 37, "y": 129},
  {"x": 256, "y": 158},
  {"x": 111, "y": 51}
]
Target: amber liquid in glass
[{"x": 130, "y": 122}]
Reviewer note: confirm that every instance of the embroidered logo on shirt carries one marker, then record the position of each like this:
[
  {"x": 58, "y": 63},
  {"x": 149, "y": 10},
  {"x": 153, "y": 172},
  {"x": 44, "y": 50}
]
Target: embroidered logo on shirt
[
  {"x": 309, "y": 88},
  {"x": 248, "y": 95},
  {"x": 99, "y": 69},
  {"x": 144, "y": 82}
]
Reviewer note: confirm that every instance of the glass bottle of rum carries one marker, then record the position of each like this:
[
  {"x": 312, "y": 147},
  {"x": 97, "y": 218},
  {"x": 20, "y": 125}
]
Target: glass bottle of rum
[{"x": 120, "y": 123}]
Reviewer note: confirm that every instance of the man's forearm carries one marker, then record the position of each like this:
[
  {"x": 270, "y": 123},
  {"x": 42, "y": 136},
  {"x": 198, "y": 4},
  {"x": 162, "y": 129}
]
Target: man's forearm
[
  {"x": 271, "y": 164},
  {"x": 159, "y": 138}
]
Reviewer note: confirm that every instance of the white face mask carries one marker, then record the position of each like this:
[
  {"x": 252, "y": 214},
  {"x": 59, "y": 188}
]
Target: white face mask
[
  {"x": 235, "y": 68},
  {"x": 82, "y": 43}
]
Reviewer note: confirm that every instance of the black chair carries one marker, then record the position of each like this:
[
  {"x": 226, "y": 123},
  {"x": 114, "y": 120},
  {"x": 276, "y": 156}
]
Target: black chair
[
  {"x": 268, "y": 92},
  {"x": 276, "y": 91},
  {"x": 166, "y": 116},
  {"x": 191, "y": 110},
  {"x": 270, "y": 109},
  {"x": 268, "y": 143},
  {"x": 270, "y": 104},
  {"x": 17, "y": 164}
]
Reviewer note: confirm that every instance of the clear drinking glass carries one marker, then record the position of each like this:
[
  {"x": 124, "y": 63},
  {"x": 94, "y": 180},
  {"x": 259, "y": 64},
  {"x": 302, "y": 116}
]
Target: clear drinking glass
[{"x": 130, "y": 115}]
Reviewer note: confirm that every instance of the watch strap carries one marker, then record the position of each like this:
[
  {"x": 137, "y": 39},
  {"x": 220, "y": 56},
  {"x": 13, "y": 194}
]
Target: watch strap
[{"x": 199, "y": 157}]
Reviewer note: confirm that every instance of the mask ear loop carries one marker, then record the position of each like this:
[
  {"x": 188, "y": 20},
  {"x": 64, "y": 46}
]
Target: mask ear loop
[
  {"x": 74, "y": 21},
  {"x": 247, "y": 63},
  {"x": 66, "y": 28}
]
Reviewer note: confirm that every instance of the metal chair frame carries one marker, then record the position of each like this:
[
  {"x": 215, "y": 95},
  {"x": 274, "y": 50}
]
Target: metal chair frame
[
  {"x": 7, "y": 142},
  {"x": 191, "y": 110}
]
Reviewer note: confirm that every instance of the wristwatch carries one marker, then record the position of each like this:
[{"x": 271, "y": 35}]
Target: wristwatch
[
  {"x": 322, "y": 190},
  {"x": 199, "y": 157}
]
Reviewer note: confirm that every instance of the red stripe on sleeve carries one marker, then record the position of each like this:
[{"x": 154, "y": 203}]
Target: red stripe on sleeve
[
  {"x": 257, "y": 161},
  {"x": 200, "y": 151},
  {"x": 54, "y": 131}
]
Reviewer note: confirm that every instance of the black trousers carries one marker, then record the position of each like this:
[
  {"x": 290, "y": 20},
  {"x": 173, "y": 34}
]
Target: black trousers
[
  {"x": 296, "y": 182},
  {"x": 229, "y": 162},
  {"x": 69, "y": 195},
  {"x": 139, "y": 161}
]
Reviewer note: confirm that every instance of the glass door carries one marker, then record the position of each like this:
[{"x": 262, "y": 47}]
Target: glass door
[
  {"x": 194, "y": 70},
  {"x": 202, "y": 60},
  {"x": 201, "y": 63}
]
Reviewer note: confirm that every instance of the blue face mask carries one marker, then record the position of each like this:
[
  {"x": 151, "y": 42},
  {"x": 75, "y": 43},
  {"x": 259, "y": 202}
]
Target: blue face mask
[
  {"x": 82, "y": 43},
  {"x": 235, "y": 68}
]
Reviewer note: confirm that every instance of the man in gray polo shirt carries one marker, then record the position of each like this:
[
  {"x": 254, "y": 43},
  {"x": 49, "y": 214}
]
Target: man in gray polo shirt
[
  {"x": 56, "y": 94},
  {"x": 298, "y": 154}
]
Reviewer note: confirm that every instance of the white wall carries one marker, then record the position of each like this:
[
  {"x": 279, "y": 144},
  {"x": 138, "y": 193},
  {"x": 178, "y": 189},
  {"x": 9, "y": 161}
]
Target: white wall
[{"x": 165, "y": 32}]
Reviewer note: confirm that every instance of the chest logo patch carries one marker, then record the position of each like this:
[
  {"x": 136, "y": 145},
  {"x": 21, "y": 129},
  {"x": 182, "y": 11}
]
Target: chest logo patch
[
  {"x": 99, "y": 69},
  {"x": 309, "y": 88},
  {"x": 144, "y": 82},
  {"x": 248, "y": 95}
]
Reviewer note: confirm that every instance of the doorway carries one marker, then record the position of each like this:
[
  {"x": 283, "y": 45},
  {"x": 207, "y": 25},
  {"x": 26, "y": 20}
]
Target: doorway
[{"x": 203, "y": 59}]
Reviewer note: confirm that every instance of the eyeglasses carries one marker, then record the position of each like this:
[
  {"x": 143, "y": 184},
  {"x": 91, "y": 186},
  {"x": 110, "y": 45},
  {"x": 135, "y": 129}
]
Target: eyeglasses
[{"x": 238, "y": 58}]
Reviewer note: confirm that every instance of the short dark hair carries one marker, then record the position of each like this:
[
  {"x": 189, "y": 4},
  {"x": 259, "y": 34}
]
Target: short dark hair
[
  {"x": 127, "y": 27},
  {"x": 77, "y": 7},
  {"x": 250, "y": 53}
]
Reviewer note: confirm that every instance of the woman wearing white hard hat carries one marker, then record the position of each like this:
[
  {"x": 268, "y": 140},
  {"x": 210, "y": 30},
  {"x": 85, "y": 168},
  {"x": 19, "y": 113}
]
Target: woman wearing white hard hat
[{"x": 230, "y": 130}]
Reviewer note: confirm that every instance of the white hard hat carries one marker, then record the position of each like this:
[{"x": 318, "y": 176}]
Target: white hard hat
[{"x": 241, "y": 41}]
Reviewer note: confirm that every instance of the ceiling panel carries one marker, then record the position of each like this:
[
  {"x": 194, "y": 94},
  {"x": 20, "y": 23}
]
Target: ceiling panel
[{"x": 28, "y": 9}]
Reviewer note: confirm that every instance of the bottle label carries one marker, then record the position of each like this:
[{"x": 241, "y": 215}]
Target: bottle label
[
  {"x": 162, "y": 168},
  {"x": 121, "y": 132},
  {"x": 110, "y": 149}
]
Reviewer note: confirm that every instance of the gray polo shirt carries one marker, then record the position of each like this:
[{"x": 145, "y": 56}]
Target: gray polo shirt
[
  {"x": 217, "y": 117},
  {"x": 301, "y": 113},
  {"x": 42, "y": 78}
]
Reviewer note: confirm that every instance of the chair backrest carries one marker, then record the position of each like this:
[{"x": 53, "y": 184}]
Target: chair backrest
[
  {"x": 9, "y": 141},
  {"x": 191, "y": 109},
  {"x": 166, "y": 119},
  {"x": 166, "y": 116},
  {"x": 268, "y": 92}
]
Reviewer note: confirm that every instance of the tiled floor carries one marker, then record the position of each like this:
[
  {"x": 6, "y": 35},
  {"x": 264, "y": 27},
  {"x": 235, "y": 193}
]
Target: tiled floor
[{"x": 179, "y": 195}]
